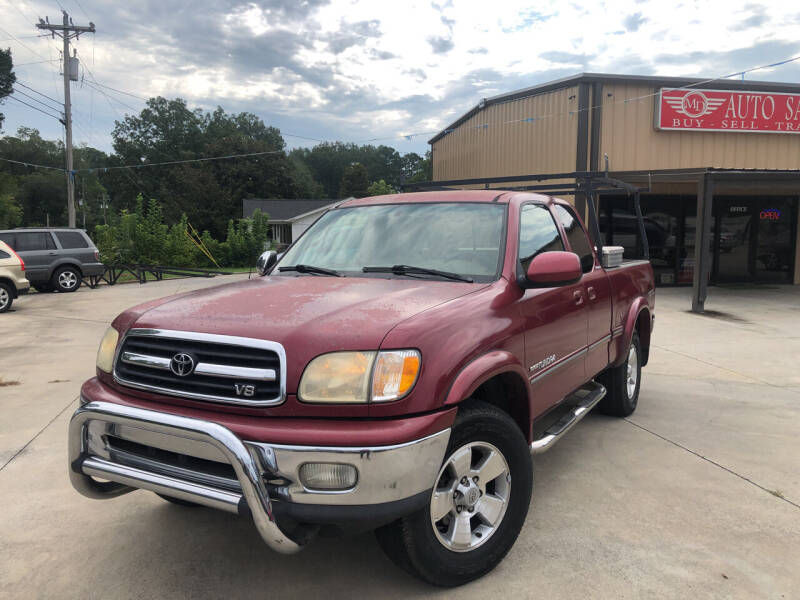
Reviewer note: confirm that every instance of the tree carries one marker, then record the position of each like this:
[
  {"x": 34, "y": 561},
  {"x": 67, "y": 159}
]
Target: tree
[
  {"x": 7, "y": 78},
  {"x": 209, "y": 193},
  {"x": 10, "y": 212},
  {"x": 355, "y": 182},
  {"x": 380, "y": 188}
]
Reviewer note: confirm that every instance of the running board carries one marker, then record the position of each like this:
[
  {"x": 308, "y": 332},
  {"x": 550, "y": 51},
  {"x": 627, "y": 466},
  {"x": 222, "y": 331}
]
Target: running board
[{"x": 589, "y": 395}]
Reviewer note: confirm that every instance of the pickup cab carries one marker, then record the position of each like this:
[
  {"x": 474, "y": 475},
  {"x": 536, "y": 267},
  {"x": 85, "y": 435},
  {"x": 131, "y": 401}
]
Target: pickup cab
[{"x": 395, "y": 370}]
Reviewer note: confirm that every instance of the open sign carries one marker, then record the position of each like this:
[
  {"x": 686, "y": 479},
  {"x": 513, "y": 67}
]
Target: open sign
[{"x": 770, "y": 214}]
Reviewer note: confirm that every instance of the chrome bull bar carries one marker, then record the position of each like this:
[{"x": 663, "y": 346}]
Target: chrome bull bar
[{"x": 124, "y": 479}]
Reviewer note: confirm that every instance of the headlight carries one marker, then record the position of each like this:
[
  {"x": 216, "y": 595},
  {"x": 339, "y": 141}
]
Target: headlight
[
  {"x": 105, "y": 354},
  {"x": 344, "y": 377}
]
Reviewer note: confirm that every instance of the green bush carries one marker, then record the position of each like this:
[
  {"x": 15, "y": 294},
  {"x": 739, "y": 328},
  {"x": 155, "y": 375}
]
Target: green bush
[{"x": 143, "y": 237}]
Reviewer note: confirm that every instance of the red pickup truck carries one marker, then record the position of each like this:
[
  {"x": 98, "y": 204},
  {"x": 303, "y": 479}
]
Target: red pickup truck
[{"x": 395, "y": 369}]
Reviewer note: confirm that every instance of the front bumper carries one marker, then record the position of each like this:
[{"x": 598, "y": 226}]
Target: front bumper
[{"x": 206, "y": 463}]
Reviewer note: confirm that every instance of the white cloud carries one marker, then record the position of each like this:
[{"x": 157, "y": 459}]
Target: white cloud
[{"x": 356, "y": 69}]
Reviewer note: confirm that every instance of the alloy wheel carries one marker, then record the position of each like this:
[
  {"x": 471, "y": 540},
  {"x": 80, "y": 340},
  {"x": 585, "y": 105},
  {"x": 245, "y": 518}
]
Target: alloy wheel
[
  {"x": 67, "y": 280},
  {"x": 632, "y": 372},
  {"x": 470, "y": 497}
]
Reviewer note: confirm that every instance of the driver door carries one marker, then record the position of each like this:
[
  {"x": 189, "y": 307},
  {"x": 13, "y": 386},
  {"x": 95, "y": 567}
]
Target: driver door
[{"x": 556, "y": 319}]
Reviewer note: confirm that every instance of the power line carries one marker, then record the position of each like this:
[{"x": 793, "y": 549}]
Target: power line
[
  {"x": 23, "y": 37},
  {"x": 57, "y": 118},
  {"x": 36, "y": 62},
  {"x": 577, "y": 111},
  {"x": 24, "y": 45},
  {"x": 116, "y": 90},
  {"x": 179, "y": 162},
  {"x": 27, "y": 87},
  {"x": 117, "y": 100},
  {"x": 27, "y": 164},
  {"x": 34, "y": 99},
  {"x": 83, "y": 11}
]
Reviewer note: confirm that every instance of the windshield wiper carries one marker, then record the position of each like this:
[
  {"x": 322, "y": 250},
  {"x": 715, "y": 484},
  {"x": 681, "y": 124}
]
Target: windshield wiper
[
  {"x": 311, "y": 269},
  {"x": 409, "y": 270}
]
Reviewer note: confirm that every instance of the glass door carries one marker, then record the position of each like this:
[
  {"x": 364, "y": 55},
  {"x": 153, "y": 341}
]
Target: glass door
[
  {"x": 731, "y": 239},
  {"x": 775, "y": 237},
  {"x": 753, "y": 239}
]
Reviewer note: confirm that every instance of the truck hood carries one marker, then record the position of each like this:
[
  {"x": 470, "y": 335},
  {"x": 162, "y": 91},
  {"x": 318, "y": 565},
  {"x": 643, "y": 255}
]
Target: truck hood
[{"x": 308, "y": 315}]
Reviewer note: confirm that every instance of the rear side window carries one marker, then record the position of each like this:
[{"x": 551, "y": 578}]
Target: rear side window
[
  {"x": 537, "y": 233},
  {"x": 71, "y": 239},
  {"x": 34, "y": 241},
  {"x": 4, "y": 254},
  {"x": 576, "y": 236}
]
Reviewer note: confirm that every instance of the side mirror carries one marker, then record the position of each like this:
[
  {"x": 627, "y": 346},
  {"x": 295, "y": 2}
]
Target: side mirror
[
  {"x": 266, "y": 261},
  {"x": 553, "y": 269}
]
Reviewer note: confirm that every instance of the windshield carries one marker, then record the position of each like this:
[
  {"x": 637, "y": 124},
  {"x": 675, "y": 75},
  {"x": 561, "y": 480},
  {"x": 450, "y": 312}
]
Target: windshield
[{"x": 458, "y": 238}]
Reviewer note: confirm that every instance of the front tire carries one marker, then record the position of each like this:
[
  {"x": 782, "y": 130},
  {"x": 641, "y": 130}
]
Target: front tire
[
  {"x": 6, "y": 297},
  {"x": 478, "y": 504},
  {"x": 66, "y": 279},
  {"x": 622, "y": 383}
]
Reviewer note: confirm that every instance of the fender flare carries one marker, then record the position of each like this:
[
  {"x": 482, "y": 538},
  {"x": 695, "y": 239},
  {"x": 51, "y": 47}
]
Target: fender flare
[
  {"x": 638, "y": 307},
  {"x": 481, "y": 370}
]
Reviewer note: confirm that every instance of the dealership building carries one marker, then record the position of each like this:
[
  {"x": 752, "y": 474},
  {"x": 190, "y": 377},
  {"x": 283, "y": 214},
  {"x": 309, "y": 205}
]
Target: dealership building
[{"x": 715, "y": 165}]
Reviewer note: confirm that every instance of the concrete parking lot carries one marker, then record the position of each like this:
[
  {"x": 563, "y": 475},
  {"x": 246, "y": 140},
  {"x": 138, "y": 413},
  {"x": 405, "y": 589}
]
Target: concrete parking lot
[{"x": 696, "y": 495}]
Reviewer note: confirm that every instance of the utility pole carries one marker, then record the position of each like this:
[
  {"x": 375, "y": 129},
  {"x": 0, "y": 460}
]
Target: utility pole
[{"x": 67, "y": 31}]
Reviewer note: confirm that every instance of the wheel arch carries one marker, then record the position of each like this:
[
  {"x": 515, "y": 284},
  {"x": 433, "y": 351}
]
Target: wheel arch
[
  {"x": 10, "y": 284},
  {"x": 639, "y": 320},
  {"x": 498, "y": 379},
  {"x": 66, "y": 262}
]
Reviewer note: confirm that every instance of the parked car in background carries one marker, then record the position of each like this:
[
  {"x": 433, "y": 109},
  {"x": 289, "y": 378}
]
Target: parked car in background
[
  {"x": 55, "y": 258},
  {"x": 12, "y": 277}
]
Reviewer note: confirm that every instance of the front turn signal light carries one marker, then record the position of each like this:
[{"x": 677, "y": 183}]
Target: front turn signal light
[
  {"x": 394, "y": 374},
  {"x": 105, "y": 354}
]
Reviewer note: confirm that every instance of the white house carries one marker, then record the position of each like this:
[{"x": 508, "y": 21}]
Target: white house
[{"x": 287, "y": 218}]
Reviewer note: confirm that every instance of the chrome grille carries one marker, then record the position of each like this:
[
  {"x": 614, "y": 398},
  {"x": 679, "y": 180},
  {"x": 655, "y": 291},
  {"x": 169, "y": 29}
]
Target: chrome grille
[{"x": 228, "y": 369}]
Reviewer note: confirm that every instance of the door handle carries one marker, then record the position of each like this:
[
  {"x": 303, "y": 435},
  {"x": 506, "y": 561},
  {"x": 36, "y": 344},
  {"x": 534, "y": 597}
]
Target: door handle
[
  {"x": 590, "y": 292},
  {"x": 578, "y": 296},
  {"x": 51, "y": 253}
]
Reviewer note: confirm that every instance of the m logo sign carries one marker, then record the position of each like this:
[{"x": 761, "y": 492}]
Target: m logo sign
[{"x": 722, "y": 110}]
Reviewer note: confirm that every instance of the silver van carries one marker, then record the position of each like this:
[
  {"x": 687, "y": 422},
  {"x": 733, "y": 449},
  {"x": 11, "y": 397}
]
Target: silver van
[{"x": 55, "y": 258}]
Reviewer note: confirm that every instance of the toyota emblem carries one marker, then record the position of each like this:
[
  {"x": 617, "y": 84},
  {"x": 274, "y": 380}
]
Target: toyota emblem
[{"x": 182, "y": 364}]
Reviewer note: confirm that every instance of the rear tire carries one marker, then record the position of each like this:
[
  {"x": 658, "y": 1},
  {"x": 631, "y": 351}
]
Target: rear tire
[
  {"x": 622, "y": 383},
  {"x": 469, "y": 525},
  {"x": 6, "y": 297},
  {"x": 66, "y": 279}
]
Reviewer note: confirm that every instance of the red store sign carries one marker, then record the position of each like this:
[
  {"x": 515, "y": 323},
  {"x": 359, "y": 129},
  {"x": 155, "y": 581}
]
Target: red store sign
[{"x": 716, "y": 110}]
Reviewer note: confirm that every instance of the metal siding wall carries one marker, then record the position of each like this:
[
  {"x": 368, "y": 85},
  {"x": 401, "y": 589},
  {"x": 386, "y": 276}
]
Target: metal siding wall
[
  {"x": 633, "y": 144},
  {"x": 545, "y": 146}
]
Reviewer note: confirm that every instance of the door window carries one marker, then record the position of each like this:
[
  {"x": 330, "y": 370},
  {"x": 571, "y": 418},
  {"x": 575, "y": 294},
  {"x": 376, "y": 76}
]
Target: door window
[
  {"x": 71, "y": 239},
  {"x": 537, "y": 233},
  {"x": 34, "y": 241},
  {"x": 576, "y": 237}
]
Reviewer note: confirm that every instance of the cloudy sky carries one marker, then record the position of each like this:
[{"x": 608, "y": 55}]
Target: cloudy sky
[{"x": 356, "y": 70}]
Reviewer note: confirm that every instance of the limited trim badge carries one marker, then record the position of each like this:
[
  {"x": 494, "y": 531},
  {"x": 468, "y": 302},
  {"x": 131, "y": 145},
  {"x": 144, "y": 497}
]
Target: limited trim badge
[{"x": 545, "y": 362}]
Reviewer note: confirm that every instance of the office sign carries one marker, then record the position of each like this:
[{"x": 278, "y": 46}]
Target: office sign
[{"x": 687, "y": 109}]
